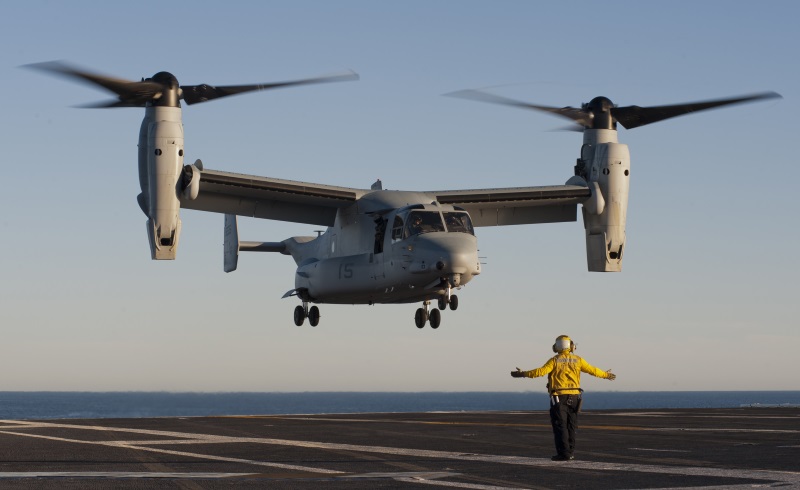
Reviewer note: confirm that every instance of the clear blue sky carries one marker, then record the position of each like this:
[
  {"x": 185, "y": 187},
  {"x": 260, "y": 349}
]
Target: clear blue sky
[{"x": 708, "y": 296}]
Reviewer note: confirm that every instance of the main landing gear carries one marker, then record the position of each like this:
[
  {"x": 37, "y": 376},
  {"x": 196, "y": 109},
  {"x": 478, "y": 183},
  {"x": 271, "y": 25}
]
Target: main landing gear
[
  {"x": 434, "y": 316},
  {"x": 301, "y": 312},
  {"x": 424, "y": 316}
]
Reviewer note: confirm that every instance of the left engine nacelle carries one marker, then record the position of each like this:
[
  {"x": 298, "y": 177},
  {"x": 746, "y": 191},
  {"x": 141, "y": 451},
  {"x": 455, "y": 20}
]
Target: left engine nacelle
[{"x": 160, "y": 169}]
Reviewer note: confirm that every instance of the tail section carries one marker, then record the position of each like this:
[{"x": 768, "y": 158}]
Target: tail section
[{"x": 232, "y": 245}]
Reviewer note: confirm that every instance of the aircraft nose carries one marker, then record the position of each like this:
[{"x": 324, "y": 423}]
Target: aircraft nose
[{"x": 450, "y": 253}]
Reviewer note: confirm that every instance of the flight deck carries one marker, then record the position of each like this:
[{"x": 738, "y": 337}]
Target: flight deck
[{"x": 674, "y": 448}]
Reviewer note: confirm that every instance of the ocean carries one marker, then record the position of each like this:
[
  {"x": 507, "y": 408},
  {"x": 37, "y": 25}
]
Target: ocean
[{"x": 58, "y": 405}]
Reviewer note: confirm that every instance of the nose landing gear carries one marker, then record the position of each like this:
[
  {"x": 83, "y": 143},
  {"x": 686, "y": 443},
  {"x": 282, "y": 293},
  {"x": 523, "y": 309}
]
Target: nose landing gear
[{"x": 450, "y": 299}]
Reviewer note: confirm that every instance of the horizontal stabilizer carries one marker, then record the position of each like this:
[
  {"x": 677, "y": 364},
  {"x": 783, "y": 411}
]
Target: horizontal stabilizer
[{"x": 262, "y": 247}]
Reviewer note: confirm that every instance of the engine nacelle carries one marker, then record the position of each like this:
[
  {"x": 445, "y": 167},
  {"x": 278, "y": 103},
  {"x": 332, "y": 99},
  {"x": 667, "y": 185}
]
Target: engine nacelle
[
  {"x": 606, "y": 168},
  {"x": 160, "y": 170}
]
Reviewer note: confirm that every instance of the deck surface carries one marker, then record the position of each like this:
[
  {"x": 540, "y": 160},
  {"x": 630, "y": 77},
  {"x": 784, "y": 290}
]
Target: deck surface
[{"x": 682, "y": 448}]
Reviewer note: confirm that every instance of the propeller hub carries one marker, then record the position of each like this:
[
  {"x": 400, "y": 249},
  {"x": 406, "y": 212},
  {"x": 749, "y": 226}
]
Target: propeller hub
[
  {"x": 171, "y": 94},
  {"x": 599, "y": 110},
  {"x": 164, "y": 78}
]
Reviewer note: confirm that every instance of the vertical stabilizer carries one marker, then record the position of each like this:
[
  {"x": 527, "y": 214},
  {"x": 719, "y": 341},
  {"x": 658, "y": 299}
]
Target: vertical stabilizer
[{"x": 231, "y": 243}]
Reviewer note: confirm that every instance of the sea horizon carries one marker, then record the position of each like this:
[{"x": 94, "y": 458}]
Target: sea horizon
[{"x": 140, "y": 404}]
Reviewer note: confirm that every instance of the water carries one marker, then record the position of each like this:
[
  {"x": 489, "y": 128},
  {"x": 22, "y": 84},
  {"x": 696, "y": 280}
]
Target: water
[{"x": 53, "y": 405}]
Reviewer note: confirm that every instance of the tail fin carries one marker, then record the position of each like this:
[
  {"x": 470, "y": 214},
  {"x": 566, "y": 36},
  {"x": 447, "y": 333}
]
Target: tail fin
[{"x": 231, "y": 243}]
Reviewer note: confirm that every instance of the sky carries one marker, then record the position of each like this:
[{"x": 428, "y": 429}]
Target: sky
[{"x": 708, "y": 296}]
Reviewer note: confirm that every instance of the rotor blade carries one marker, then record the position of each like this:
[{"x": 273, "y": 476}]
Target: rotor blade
[
  {"x": 194, "y": 94},
  {"x": 576, "y": 128},
  {"x": 577, "y": 115},
  {"x": 126, "y": 90},
  {"x": 634, "y": 116},
  {"x": 113, "y": 103}
]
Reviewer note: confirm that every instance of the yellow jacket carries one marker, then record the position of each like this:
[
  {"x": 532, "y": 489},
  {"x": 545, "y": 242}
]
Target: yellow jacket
[{"x": 564, "y": 373}]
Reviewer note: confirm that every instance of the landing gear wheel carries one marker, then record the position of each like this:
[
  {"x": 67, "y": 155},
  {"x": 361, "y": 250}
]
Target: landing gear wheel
[
  {"x": 442, "y": 303},
  {"x": 435, "y": 319},
  {"x": 453, "y": 302},
  {"x": 313, "y": 316},
  {"x": 299, "y": 315},
  {"x": 421, "y": 317}
]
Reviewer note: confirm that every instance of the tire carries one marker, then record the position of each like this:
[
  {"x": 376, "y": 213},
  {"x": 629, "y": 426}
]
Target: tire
[
  {"x": 435, "y": 319},
  {"x": 313, "y": 316},
  {"x": 299, "y": 315},
  {"x": 442, "y": 303},
  {"x": 453, "y": 302},
  {"x": 420, "y": 318}
]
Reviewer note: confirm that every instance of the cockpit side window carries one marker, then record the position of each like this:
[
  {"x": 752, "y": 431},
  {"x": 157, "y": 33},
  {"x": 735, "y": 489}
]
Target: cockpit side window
[
  {"x": 397, "y": 229},
  {"x": 458, "y": 222},
  {"x": 423, "y": 222}
]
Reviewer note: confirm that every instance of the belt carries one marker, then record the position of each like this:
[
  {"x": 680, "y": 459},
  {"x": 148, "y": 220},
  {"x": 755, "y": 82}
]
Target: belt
[{"x": 554, "y": 399}]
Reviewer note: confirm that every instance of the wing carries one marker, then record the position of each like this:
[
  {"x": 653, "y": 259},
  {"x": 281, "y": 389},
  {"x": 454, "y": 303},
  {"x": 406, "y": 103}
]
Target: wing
[
  {"x": 518, "y": 205},
  {"x": 268, "y": 198}
]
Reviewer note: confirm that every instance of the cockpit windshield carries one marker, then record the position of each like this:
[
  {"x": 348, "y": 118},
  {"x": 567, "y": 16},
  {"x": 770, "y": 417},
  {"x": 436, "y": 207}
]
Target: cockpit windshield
[
  {"x": 458, "y": 222},
  {"x": 419, "y": 222}
]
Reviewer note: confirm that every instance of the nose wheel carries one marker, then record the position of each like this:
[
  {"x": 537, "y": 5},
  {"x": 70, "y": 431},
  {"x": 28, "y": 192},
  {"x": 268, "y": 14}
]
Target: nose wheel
[
  {"x": 444, "y": 301},
  {"x": 453, "y": 302}
]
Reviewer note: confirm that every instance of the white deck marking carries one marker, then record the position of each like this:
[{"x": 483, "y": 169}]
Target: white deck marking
[
  {"x": 116, "y": 474},
  {"x": 122, "y": 444},
  {"x": 695, "y": 429},
  {"x": 659, "y": 450},
  {"x": 583, "y": 426},
  {"x": 684, "y": 416},
  {"x": 750, "y": 474},
  {"x": 440, "y": 483}
]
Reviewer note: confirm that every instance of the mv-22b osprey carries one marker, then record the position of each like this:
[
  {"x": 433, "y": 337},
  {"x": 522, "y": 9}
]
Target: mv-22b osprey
[{"x": 380, "y": 246}]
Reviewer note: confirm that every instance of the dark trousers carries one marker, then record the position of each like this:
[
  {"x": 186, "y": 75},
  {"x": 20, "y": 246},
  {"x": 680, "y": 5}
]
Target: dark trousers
[{"x": 564, "y": 418}]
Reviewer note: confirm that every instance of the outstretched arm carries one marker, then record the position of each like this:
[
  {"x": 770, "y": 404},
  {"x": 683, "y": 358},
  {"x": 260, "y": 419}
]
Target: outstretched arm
[
  {"x": 599, "y": 373},
  {"x": 534, "y": 373}
]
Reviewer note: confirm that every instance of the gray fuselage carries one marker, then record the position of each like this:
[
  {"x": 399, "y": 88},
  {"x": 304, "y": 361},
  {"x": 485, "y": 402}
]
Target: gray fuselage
[{"x": 388, "y": 247}]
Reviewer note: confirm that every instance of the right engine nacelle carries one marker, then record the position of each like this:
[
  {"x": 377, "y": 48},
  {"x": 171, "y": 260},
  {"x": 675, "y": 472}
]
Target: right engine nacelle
[{"x": 607, "y": 171}]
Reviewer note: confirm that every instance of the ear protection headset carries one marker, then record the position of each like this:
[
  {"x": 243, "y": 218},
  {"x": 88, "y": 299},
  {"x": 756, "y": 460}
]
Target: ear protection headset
[{"x": 563, "y": 342}]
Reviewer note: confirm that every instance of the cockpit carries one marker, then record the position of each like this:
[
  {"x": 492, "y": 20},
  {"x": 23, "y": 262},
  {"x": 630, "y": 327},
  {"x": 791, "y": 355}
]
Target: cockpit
[{"x": 417, "y": 222}]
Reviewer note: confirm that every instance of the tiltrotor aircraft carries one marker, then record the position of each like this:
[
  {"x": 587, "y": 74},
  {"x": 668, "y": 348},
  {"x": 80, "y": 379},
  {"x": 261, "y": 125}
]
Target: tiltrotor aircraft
[{"x": 380, "y": 246}]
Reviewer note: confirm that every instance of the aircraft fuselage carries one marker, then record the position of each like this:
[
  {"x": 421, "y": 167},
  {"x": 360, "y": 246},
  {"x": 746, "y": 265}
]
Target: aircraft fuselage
[{"x": 388, "y": 247}]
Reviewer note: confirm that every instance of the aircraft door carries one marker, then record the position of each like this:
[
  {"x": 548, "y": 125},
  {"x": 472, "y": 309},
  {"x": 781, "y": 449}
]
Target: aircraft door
[
  {"x": 400, "y": 255},
  {"x": 378, "y": 257},
  {"x": 380, "y": 234}
]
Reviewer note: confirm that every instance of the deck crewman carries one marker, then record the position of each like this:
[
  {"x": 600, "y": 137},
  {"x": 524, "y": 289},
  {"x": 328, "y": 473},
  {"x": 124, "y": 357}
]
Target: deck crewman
[{"x": 564, "y": 385}]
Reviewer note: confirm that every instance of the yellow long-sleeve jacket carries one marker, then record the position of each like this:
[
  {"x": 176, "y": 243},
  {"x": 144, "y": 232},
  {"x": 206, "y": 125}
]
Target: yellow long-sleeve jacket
[{"x": 564, "y": 373}]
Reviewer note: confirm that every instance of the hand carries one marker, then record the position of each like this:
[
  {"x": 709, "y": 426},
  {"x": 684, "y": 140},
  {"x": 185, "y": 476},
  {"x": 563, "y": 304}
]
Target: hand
[
  {"x": 611, "y": 376},
  {"x": 517, "y": 374}
]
